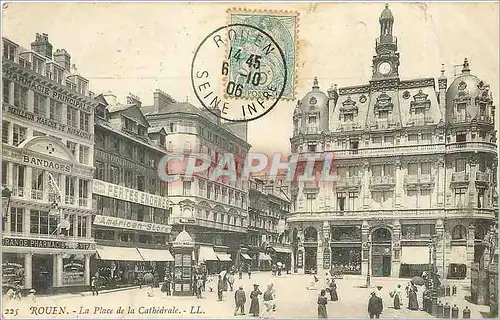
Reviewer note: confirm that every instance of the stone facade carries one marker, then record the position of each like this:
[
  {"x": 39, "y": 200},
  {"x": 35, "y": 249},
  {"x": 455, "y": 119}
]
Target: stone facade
[{"x": 415, "y": 160}]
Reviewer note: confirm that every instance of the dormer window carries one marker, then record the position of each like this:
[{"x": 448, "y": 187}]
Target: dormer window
[
  {"x": 9, "y": 51},
  {"x": 141, "y": 130},
  {"x": 100, "y": 113},
  {"x": 57, "y": 75},
  {"x": 129, "y": 125},
  {"x": 38, "y": 65}
]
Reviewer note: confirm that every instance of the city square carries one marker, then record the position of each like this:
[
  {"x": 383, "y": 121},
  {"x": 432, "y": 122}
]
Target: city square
[{"x": 379, "y": 168}]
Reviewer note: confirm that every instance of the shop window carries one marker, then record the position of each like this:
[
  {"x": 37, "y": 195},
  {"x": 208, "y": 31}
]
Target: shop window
[
  {"x": 459, "y": 233},
  {"x": 104, "y": 235},
  {"x": 42, "y": 223},
  {"x": 71, "y": 146},
  {"x": 16, "y": 219},
  {"x": 126, "y": 237},
  {"x": 71, "y": 117},
  {"x": 20, "y": 96},
  {"x": 5, "y": 131},
  {"x": 186, "y": 188},
  {"x": 19, "y": 135},
  {"x": 145, "y": 238},
  {"x": 99, "y": 170}
]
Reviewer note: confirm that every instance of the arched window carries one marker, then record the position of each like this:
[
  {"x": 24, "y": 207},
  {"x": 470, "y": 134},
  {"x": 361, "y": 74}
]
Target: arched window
[
  {"x": 381, "y": 234},
  {"x": 311, "y": 234},
  {"x": 479, "y": 233},
  {"x": 459, "y": 232}
]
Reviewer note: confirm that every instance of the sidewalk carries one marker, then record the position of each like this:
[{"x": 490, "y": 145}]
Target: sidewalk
[{"x": 85, "y": 293}]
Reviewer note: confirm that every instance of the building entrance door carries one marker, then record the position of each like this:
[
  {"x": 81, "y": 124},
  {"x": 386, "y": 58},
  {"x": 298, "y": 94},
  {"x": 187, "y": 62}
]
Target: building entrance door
[
  {"x": 42, "y": 276},
  {"x": 310, "y": 259},
  {"x": 381, "y": 252}
]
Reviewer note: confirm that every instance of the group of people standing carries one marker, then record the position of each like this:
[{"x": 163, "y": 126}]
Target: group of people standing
[
  {"x": 269, "y": 301},
  {"x": 331, "y": 288}
]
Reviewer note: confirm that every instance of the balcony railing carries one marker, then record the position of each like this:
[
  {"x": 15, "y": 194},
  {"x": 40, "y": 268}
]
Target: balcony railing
[
  {"x": 49, "y": 197},
  {"x": 460, "y": 176},
  {"x": 469, "y": 145},
  {"x": 348, "y": 181},
  {"x": 419, "y": 179},
  {"x": 382, "y": 180},
  {"x": 482, "y": 177}
]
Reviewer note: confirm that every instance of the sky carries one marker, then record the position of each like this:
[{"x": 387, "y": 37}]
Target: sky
[{"x": 139, "y": 47}]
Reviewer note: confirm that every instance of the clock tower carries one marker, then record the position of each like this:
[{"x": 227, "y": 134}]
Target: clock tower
[{"x": 386, "y": 62}]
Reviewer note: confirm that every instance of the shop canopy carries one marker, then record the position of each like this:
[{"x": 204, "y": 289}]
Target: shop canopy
[
  {"x": 118, "y": 253},
  {"x": 282, "y": 250},
  {"x": 415, "y": 255},
  {"x": 264, "y": 257},
  {"x": 155, "y": 254},
  {"x": 246, "y": 256},
  {"x": 207, "y": 254},
  {"x": 223, "y": 256}
]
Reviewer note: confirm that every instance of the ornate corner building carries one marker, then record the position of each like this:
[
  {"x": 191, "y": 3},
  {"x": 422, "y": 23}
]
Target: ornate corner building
[
  {"x": 416, "y": 162},
  {"x": 47, "y": 169}
]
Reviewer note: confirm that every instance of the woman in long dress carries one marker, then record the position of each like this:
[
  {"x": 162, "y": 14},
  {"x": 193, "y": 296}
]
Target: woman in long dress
[
  {"x": 322, "y": 302},
  {"x": 269, "y": 301},
  {"x": 333, "y": 291},
  {"x": 254, "y": 298},
  {"x": 412, "y": 297},
  {"x": 397, "y": 297}
]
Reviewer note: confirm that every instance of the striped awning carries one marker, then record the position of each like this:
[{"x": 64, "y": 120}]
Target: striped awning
[
  {"x": 264, "y": 257},
  {"x": 223, "y": 256},
  {"x": 206, "y": 254},
  {"x": 155, "y": 255},
  {"x": 118, "y": 253},
  {"x": 282, "y": 250},
  {"x": 246, "y": 256}
]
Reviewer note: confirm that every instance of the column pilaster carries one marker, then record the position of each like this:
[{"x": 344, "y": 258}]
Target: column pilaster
[
  {"x": 365, "y": 247},
  {"x": 365, "y": 185},
  {"x": 87, "y": 270},
  {"x": 28, "y": 270},
  {"x": 399, "y": 184},
  {"x": 472, "y": 182},
  {"x": 441, "y": 245},
  {"x": 31, "y": 100},
  {"x": 396, "y": 249},
  {"x": 300, "y": 251},
  {"x": 470, "y": 248},
  {"x": 11, "y": 92}
]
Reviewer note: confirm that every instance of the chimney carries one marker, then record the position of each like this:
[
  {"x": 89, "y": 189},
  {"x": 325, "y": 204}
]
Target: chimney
[
  {"x": 161, "y": 101},
  {"x": 42, "y": 45},
  {"x": 62, "y": 58},
  {"x": 133, "y": 99}
]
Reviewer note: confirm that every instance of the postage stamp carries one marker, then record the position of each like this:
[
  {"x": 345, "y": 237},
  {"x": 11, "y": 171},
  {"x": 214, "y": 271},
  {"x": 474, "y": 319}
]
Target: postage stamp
[
  {"x": 282, "y": 26},
  {"x": 237, "y": 54}
]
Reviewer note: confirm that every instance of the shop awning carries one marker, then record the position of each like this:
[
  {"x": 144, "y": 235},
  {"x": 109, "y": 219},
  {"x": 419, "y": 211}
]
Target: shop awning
[
  {"x": 118, "y": 253},
  {"x": 246, "y": 256},
  {"x": 264, "y": 257},
  {"x": 458, "y": 255},
  {"x": 223, "y": 256},
  {"x": 414, "y": 255},
  {"x": 282, "y": 250},
  {"x": 155, "y": 254},
  {"x": 207, "y": 254}
]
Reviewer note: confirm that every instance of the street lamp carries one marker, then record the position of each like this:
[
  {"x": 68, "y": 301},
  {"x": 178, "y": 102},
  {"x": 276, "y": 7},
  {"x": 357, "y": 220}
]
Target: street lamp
[
  {"x": 368, "y": 279},
  {"x": 432, "y": 277}
]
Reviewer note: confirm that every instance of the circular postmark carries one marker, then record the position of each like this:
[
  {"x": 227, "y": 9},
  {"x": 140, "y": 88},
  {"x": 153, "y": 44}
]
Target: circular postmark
[{"x": 238, "y": 72}]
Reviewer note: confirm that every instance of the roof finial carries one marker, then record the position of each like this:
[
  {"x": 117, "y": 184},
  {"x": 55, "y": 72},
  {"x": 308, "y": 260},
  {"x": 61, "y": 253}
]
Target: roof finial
[
  {"x": 442, "y": 69},
  {"x": 387, "y": 6},
  {"x": 466, "y": 68},
  {"x": 315, "y": 84}
]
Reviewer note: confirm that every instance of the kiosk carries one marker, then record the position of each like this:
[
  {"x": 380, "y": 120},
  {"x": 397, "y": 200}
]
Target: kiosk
[{"x": 183, "y": 248}]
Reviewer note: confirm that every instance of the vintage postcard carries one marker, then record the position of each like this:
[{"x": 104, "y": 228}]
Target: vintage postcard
[{"x": 215, "y": 160}]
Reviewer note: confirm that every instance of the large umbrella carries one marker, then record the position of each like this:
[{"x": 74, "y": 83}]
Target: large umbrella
[
  {"x": 418, "y": 281},
  {"x": 279, "y": 264},
  {"x": 223, "y": 273},
  {"x": 148, "y": 277}
]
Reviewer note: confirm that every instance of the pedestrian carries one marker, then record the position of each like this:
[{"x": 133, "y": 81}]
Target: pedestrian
[
  {"x": 240, "y": 273},
  {"x": 240, "y": 299},
  {"x": 93, "y": 286},
  {"x": 412, "y": 297},
  {"x": 269, "y": 301},
  {"x": 166, "y": 284},
  {"x": 280, "y": 267},
  {"x": 333, "y": 291},
  {"x": 397, "y": 295},
  {"x": 254, "y": 301},
  {"x": 199, "y": 287},
  {"x": 249, "y": 272},
  {"x": 230, "y": 280},
  {"x": 322, "y": 302},
  {"x": 220, "y": 288},
  {"x": 375, "y": 306}
]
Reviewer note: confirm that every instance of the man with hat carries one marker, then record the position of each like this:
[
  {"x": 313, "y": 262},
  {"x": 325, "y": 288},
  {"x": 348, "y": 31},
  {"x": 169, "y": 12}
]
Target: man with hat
[
  {"x": 240, "y": 299},
  {"x": 254, "y": 298},
  {"x": 375, "y": 306}
]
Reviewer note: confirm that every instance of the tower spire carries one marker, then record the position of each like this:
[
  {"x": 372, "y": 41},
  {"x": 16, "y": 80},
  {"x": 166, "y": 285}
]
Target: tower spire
[
  {"x": 315, "y": 83},
  {"x": 466, "y": 68}
]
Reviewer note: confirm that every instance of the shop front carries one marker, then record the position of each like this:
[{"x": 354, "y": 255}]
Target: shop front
[
  {"x": 225, "y": 261},
  {"x": 347, "y": 258},
  {"x": 414, "y": 261},
  {"x": 457, "y": 268},
  {"x": 126, "y": 266},
  {"x": 282, "y": 255},
  {"x": 264, "y": 261},
  {"x": 207, "y": 256},
  {"x": 46, "y": 265}
]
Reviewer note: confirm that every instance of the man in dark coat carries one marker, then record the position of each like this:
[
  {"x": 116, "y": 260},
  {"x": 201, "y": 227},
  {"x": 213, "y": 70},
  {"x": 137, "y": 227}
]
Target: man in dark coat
[
  {"x": 220, "y": 288},
  {"x": 240, "y": 299},
  {"x": 375, "y": 306}
]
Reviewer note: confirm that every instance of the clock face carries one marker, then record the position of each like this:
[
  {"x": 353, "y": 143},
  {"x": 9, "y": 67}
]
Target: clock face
[{"x": 384, "y": 68}]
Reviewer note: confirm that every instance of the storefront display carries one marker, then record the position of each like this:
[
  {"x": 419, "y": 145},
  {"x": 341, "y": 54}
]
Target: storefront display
[
  {"x": 348, "y": 259},
  {"x": 73, "y": 271},
  {"x": 12, "y": 270}
]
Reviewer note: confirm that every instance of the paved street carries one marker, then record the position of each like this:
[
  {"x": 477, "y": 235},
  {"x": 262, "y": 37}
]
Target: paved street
[{"x": 293, "y": 301}]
